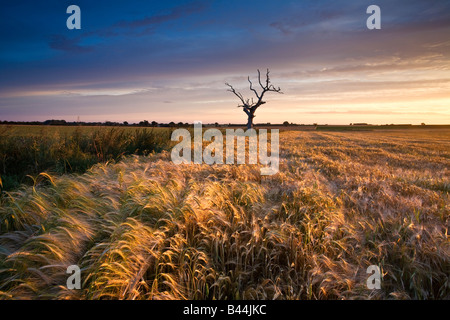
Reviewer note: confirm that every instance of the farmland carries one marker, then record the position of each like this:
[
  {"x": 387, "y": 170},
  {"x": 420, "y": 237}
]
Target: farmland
[
  {"x": 142, "y": 227},
  {"x": 26, "y": 150}
]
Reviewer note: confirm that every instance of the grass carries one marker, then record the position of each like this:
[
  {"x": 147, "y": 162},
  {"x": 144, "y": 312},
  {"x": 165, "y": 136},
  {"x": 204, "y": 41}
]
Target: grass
[
  {"x": 145, "y": 228},
  {"x": 29, "y": 150}
]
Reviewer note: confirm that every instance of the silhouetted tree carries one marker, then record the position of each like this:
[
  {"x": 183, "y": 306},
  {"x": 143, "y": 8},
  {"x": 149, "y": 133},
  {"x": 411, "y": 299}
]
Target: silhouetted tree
[{"x": 249, "y": 105}]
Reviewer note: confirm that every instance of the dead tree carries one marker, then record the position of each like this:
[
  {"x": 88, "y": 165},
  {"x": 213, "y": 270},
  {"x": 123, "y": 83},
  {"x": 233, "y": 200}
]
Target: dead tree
[{"x": 249, "y": 105}]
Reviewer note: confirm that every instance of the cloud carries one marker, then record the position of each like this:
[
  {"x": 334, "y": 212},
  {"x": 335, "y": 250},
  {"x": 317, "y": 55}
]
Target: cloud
[
  {"x": 320, "y": 54},
  {"x": 281, "y": 27},
  {"x": 176, "y": 13},
  {"x": 61, "y": 42}
]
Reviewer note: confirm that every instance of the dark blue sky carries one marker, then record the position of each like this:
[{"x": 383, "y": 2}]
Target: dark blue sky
[{"x": 169, "y": 60}]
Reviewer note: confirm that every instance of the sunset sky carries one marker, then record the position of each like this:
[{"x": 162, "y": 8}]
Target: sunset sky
[{"x": 169, "y": 61}]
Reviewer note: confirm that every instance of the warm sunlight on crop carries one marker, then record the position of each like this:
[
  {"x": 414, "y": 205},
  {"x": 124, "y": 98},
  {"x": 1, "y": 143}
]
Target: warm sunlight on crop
[{"x": 145, "y": 228}]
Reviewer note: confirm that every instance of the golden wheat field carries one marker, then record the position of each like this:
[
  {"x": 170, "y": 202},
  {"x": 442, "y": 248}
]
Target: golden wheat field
[{"x": 145, "y": 228}]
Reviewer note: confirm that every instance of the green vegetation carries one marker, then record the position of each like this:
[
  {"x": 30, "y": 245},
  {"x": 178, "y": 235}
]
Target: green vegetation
[
  {"x": 145, "y": 228},
  {"x": 30, "y": 150}
]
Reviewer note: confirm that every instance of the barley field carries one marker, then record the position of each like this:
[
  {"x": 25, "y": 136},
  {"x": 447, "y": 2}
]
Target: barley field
[
  {"x": 27, "y": 150},
  {"x": 145, "y": 228}
]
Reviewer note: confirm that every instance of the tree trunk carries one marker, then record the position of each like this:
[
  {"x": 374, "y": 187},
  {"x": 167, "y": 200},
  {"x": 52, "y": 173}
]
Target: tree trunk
[{"x": 250, "y": 121}]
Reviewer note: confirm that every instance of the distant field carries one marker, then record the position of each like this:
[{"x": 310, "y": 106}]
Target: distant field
[
  {"x": 381, "y": 127},
  {"x": 145, "y": 228},
  {"x": 33, "y": 130}
]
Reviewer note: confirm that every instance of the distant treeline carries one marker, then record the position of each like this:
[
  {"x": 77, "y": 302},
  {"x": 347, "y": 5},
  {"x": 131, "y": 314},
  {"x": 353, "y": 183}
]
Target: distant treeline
[
  {"x": 54, "y": 122},
  {"x": 145, "y": 123}
]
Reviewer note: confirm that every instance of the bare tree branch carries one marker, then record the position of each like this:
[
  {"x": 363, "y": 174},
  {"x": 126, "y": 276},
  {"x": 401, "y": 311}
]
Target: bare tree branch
[
  {"x": 238, "y": 94},
  {"x": 250, "y": 107},
  {"x": 259, "y": 79},
  {"x": 251, "y": 87}
]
